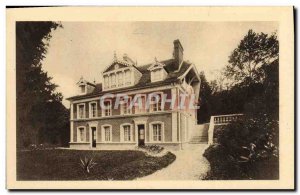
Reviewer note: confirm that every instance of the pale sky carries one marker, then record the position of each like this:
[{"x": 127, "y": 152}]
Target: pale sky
[{"x": 86, "y": 48}]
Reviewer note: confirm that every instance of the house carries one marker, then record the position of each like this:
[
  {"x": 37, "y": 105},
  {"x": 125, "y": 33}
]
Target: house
[{"x": 137, "y": 105}]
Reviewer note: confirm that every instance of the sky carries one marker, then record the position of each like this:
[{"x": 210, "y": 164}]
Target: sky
[{"x": 86, "y": 48}]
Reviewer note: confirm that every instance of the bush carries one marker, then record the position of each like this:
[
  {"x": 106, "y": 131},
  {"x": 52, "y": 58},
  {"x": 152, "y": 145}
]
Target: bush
[
  {"x": 246, "y": 149},
  {"x": 153, "y": 149}
]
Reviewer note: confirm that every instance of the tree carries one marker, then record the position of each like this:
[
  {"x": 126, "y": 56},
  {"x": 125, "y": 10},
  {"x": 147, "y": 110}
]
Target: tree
[
  {"x": 204, "y": 112},
  {"x": 253, "y": 51},
  {"x": 37, "y": 100}
]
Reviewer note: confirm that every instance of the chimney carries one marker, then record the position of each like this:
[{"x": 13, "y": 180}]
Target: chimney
[{"x": 177, "y": 53}]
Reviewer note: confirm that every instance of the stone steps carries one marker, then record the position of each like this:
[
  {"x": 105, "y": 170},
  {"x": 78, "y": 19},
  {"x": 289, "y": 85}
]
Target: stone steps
[{"x": 200, "y": 136}]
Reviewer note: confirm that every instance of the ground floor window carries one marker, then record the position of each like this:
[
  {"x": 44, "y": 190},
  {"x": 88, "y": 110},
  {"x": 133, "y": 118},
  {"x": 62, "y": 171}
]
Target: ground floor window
[
  {"x": 157, "y": 132},
  {"x": 127, "y": 133},
  {"x": 106, "y": 133},
  {"x": 81, "y": 134}
]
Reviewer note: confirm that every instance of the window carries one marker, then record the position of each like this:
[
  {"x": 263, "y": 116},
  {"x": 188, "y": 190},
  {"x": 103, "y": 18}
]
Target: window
[
  {"x": 127, "y": 77},
  {"x": 106, "y": 133},
  {"x": 140, "y": 104},
  {"x": 125, "y": 106},
  {"x": 156, "y": 102},
  {"x": 120, "y": 79},
  {"x": 156, "y": 75},
  {"x": 81, "y": 111},
  {"x": 157, "y": 132},
  {"x": 107, "y": 108},
  {"x": 127, "y": 133},
  {"x": 113, "y": 80},
  {"x": 82, "y": 88},
  {"x": 81, "y": 134},
  {"x": 93, "y": 109},
  {"x": 106, "y": 82}
]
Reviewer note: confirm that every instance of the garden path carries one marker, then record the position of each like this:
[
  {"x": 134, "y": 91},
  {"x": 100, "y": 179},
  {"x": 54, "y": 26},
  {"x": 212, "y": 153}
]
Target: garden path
[{"x": 189, "y": 165}]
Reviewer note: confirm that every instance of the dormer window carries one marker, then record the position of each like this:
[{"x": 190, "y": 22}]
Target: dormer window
[
  {"x": 82, "y": 89},
  {"x": 120, "y": 79},
  {"x": 127, "y": 77},
  {"x": 120, "y": 73},
  {"x": 158, "y": 73},
  {"x": 113, "y": 81},
  {"x": 106, "y": 82}
]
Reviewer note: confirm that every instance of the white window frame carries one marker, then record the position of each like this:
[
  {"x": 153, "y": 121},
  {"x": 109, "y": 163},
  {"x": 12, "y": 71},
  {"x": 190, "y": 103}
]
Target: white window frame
[
  {"x": 78, "y": 111},
  {"x": 78, "y": 134},
  {"x": 129, "y": 109},
  {"x": 91, "y": 110},
  {"x": 161, "y": 102},
  {"x": 162, "y": 131},
  {"x": 137, "y": 110},
  {"x": 104, "y": 109},
  {"x": 106, "y": 81},
  {"x": 127, "y": 81},
  {"x": 122, "y": 135},
  {"x": 103, "y": 133},
  {"x": 157, "y": 74},
  {"x": 118, "y": 80},
  {"x": 113, "y": 84},
  {"x": 82, "y": 85}
]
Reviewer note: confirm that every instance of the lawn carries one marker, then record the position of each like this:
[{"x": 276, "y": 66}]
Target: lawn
[{"x": 65, "y": 165}]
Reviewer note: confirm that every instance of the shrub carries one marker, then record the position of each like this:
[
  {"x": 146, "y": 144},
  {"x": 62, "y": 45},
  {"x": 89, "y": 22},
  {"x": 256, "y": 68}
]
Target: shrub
[
  {"x": 246, "y": 149},
  {"x": 154, "y": 149}
]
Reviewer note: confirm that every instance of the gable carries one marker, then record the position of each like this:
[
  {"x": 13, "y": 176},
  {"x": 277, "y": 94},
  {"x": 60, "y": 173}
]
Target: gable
[{"x": 114, "y": 66}]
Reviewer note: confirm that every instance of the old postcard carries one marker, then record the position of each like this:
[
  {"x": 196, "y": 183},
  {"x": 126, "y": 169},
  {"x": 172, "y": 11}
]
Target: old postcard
[{"x": 150, "y": 98}]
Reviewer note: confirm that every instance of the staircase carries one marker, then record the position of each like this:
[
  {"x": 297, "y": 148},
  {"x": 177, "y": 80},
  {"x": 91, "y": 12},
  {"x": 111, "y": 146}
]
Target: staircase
[{"x": 200, "y": 135}]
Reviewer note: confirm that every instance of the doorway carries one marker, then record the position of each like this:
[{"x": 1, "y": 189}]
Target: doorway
[
  {"x": 94, "y": 137},
  {"x": 141, "y": 135}
]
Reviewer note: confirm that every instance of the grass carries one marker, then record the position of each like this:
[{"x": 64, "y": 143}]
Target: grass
[{"x": 65, "y": 165}]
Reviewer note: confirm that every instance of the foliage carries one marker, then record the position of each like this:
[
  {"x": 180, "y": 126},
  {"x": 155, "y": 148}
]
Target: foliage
[
  {"x": 40, "y": 115},
  {"x": 58, "y": 165},
  {"x": 87, "y": 164},
  {"x": 153, "y": 149},
  {"x": 205, "y": 99},
  {"x": 248, "y": 148},
  {"x": 246, "y": 60}
]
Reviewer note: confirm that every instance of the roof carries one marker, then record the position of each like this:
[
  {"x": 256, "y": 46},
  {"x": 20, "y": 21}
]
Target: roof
[{"x": 145, "y": 80}]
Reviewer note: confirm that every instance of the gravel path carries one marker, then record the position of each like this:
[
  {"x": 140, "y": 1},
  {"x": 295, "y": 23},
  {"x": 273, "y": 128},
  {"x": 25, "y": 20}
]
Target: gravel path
[{"x": 189, "y": 165}]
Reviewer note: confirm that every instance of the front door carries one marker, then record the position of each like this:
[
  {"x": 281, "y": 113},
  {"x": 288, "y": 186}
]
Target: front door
[
  {"x": 141, "y": 135},
  {"x": 94, "y": 137}
]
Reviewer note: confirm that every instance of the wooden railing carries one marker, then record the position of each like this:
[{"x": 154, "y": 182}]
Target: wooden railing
[{"x": 220, "y": 120}]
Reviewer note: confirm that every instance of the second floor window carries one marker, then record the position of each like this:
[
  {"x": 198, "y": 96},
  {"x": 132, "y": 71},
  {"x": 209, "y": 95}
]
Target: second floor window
[
  {"x": 93, "y": 110},
  {"x": 140, "y": 105},
  {"x": 81, "y": 111},
  {"x": 156, "y": 103},
  {"x": 107, "y": 108},
  {"x": 125, "y": 107}
]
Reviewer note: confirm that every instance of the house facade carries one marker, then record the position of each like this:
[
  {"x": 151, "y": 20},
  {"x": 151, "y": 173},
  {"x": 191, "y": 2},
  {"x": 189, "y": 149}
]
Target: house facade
[{"x": 137, "y": 105}]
